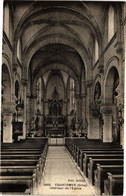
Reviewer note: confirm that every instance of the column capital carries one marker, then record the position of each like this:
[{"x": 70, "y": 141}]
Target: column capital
[
  {"x": 119, "y": 47},
  {"x": 83, "y": 95},
  {"x": 44, "y": 100},
  {"x": 77, "y": 96},
  {"x": 106, "y": 109},
  {"x": 8, "y": 108},
  {"x": 89, "y": 83},
  {"x": 101, "y": 69},
  {"x": 15, "y": 66},
  {"x": 24, "y": 82},
  {"x": 31, "y": 96},
  {"x": 94, "y": 110}
]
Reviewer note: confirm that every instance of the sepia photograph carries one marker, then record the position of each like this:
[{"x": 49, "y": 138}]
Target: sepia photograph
[{"x": 62, "y": 98}]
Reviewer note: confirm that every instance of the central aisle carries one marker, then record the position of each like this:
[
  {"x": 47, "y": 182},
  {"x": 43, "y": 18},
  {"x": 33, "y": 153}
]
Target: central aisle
[{"x": 61, "y": 176}]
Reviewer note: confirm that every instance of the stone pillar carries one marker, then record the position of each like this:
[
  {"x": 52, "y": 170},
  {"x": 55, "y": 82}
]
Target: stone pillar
[
  {"x": 88, "y": 102},
  {"x": 120, "y": 105},
  {"x": 8, "y": 110},
  {"x": 45, "y": 106},
  {"x": 94, "y": 125},
  {"x": 83, "y": 110},
  {"x": 78, "y": 106},
  {"x": 83, "y": 106},
  {"x": 24, "y": 85},
  {"x": 31, "y": 108},
  {"x": 94, "y": 134},
  {"x": 106, "y": 111},
  {"x": 64, "y": 110}
]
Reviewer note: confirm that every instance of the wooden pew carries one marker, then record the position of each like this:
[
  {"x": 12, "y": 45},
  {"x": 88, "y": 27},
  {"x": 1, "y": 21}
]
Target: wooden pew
[
  {"x": 98, "y": 156},
  {"x": 20, "y": 149},
  {"x": 100, "y": 174},
  {"x": 22, "y": 166},
  {"x": 80, "y": 162},
  {"x": 21, "y": 170},
  {"x": 21, "y": 152},
  {"x": 16, "y": 183},
  {"x": 113, "y": 185},
  {"x": 93, "y": 164},
  {"x": 20, "y": 156},
  {"x": 79, "y": 152},
  {"x": 74, "y": 145}
]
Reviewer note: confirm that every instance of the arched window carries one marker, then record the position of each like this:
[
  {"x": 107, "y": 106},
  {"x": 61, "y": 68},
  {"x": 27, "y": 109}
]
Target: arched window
[
  {"x": 17, "y": 89},
  {"x": 6, "y": 19},
  {"x": 19, "y": 50},
  {"x": 72, "y": 94},
  {"x": 96, "y": 51},
  {"x": 110, "y": 23},
  {"x": 39, "y": 94}
]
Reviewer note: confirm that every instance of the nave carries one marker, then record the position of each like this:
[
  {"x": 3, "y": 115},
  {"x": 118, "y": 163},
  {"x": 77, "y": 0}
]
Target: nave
[
  {"x": 61, "y": 176},
  {"x": 80, "y": 167},
  {"x": 63, "y": 65}
]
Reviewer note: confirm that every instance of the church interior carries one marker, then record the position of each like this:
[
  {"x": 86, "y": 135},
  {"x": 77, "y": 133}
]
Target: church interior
[{"x": 62, "y": 98}]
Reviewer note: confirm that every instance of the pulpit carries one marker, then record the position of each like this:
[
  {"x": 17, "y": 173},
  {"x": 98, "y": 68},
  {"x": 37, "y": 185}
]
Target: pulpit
[{"x": 17, "y": 130}]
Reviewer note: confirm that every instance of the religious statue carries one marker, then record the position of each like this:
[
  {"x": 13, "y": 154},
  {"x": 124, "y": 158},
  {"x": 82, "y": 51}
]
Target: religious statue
[
  {"x": 73, "y": 121},
  {"x": 37, "y": 123},
  {"x": 97, "y": 94}
]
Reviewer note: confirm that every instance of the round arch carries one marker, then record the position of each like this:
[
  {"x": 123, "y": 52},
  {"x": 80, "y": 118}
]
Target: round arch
[
  {"x": 112, "y": 82},
  {"x": 58, "y": 73},
  {"x": 6, "y": 61},
  {"x": 61, "y": 67},
  {"x": 6, "y": 84},
  {"x": 59, "y": 39},
  {"x": 29, "y": 15}
]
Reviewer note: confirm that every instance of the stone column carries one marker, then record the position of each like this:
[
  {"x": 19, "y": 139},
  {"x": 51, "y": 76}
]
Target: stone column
[
  {"x": 8, "y": 110},
  {"x": 106, "y": 111},
  {"x": 83, "y": 109},
  {"x": 78, "y": 106},
  {"x": 94, "y": 125},
  {"x": 64, "y": 109},
  {"x": 31, "y": 108},
  {"x": 88, "y": 102},
  {"x": 45, "y": 107},
  {"x": 120, "y": 105},
  {"x": 24, "y": 85}
]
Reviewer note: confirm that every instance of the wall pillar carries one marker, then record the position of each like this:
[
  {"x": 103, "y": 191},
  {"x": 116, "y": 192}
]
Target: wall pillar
[
  {"x": 78, "y": 106},
  {"x": 94, "y": 125},
  {"x": 83, "y": 109},
  {"x": 45, "y": 107},
  {"x": 106, "y": 111},
  {"x": 88, "y": 103},
  {"x": 8, "y": 110},
  {"x": 120, "y": 105},
  {"x": 24, "y": 84},
  {"x": 31, "y": 108},
  {"x": 64, "y": 110}
]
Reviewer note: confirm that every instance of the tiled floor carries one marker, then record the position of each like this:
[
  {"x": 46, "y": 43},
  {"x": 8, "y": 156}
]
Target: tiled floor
[{"x": 61, "y": 176}]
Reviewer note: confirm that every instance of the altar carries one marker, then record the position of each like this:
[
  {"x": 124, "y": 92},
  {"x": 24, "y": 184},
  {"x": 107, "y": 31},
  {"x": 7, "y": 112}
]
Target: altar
[
  {"x": 55, "y": 121},
  {"x": 55, "y": 126}
]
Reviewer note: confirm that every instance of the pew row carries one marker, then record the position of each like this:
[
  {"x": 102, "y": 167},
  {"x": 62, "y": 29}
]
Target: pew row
[
  {"x": 97, "y": 156},
  {"x": 22, "y": 168},
  {"x": 100, "y": 174},
  {"x": 18, "y": 183},
  {"x": 113, "y": 185},
  {"x": 93, "y": 164}
]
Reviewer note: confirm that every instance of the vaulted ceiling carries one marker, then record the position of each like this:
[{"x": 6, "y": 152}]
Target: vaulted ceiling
[{"x": 57, "y": 33}]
